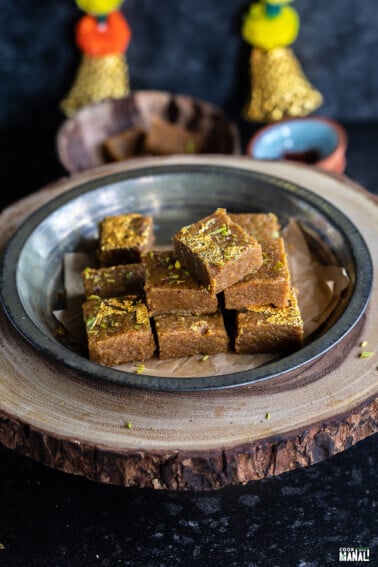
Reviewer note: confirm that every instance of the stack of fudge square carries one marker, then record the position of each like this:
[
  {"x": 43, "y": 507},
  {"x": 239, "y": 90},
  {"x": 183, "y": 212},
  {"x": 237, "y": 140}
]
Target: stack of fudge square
[{"x": 224, "y": 286}]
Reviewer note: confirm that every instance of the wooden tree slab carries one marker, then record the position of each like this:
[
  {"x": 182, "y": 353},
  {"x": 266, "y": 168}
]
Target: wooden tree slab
[{"x": 191, "y": 440}]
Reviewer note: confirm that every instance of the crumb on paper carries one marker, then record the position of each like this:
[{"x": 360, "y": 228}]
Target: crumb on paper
[
  {"x": 366, "y": 354},
  {"x": 60, "y": 331}
]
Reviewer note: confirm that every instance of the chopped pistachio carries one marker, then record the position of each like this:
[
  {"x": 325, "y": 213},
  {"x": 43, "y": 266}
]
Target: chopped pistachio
[
  {"x": 128, "y": 425},
  {"x": 223, "y": 230},
  {"x": 205, "y": 357},
  {"x": 267, "y": 415},
  {"x": 190, "y": 147},
  {"x": 139, "y": 368},
  {"x": 363, "y": 344},
  {"x": 94, "y": 297},
  {"x": 177, "y": 264},
  {"x": 366, "y": 354},
  {"x": 60, "y": 331},
  {"x": 90, "y": 322}
]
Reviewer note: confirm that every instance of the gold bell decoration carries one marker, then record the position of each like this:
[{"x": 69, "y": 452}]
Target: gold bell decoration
[
  {"x": 103, "y": 36},
  {"x": 279, "y": 88}
]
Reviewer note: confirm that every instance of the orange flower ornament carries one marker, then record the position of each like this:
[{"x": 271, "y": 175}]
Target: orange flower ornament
[{"x": 103, "y": 36}]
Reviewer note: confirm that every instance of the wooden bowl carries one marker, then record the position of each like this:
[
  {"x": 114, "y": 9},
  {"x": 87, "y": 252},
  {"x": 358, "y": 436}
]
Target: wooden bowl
[{"x": 80, "y": 139}]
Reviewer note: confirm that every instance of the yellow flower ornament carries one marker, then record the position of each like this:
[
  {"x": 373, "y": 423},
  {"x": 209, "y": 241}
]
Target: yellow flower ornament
[
  {"x": 269, "y": 25},
  {"x": 99, "y": 7},
  {"x": 279, "y": 87},
  {"x": 278, "y": 2}
]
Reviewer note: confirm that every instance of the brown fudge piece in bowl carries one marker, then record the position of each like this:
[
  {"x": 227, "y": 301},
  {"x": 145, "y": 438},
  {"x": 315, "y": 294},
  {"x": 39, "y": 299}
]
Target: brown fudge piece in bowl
[
  {"x": 165, "y": 138},
  {"x": 269, "y": 284},
  {"x": 170, "y": 288},
  {"x": 182, "y": 335},
  {"x": 125, "y": 144},
  {"x": 118, "y": 330},
  {"x": 123, "y": 238},
  {"x": 217, "y": 251},
  {"x": 114, "y": 281},
  {"x": 269, "y": 329}
]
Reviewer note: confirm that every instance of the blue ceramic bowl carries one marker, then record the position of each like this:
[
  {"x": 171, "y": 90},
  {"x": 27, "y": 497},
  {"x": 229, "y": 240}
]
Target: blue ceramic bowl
[{"x": 317, "y": 141}]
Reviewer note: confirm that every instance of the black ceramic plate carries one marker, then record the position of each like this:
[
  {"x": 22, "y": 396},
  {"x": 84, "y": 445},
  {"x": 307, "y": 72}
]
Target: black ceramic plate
[{"x": 175, "y": 195}]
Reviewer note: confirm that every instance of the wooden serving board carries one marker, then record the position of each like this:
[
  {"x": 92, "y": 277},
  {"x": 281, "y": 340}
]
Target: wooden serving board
[{"x": 200, "y": 440}]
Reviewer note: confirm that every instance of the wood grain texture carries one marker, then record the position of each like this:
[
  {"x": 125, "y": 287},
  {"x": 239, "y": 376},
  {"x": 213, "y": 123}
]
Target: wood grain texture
[{"x": 192, "y": 440}]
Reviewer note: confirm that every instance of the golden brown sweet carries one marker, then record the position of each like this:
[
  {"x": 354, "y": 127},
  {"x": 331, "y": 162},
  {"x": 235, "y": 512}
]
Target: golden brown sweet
[
  {"x": 216, "y": 272},
  {"x": 114, "y": 281},
  {"x": 118, "y": 330},
  {"x": 262, "y": 226},
  {"x": 270, "y": 284},
  {"x": 170, "y": 288},
  {"x": 269, "y": 329},
  {"x": 181, "y": 335},
  {"x": 216, "y": 251},
  {"x": 123, "y": 238}
]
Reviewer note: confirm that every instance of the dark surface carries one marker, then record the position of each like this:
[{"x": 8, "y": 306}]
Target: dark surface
[{"x": 300, "y": 519}]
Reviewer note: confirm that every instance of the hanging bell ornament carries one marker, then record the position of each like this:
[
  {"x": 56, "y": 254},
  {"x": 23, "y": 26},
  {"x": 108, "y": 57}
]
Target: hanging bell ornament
[
  {"x": 279, "y": 88},
  {"x": 103, "y": 72}
]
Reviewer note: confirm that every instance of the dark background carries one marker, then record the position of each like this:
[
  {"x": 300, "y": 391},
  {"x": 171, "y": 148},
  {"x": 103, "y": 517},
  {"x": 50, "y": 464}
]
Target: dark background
[
  {"x": 300, "y": 519},
  {"x": 191, "y": 46},
  {"x": 188, "y": 46}
]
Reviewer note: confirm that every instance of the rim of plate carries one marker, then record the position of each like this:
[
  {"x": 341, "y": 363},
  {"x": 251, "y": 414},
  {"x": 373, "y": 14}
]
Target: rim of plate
[{"x": 56, "y": 351}]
